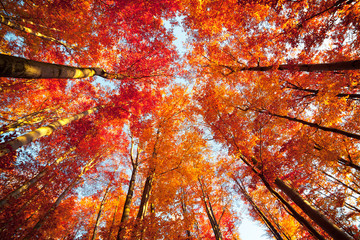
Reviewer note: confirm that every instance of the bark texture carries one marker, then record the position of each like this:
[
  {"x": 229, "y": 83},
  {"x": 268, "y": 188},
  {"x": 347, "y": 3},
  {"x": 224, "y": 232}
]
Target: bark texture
[
  {"x": 127, "y": 205},
  {"x": 330, "y": 228},
  {"x": 10, "y": 146},
  {"x": 287, "y": 205},
  {"x": 130, "y": 193},
  {"x": 18, "y": 67},
  {"x": 145, "y": 196},
  {"x": 100, "y": 211}
]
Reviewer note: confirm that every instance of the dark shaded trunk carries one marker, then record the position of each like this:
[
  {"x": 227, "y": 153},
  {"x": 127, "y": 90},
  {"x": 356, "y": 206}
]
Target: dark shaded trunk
[
  {"x": 19, "y": 191},
  {"x": 314, "y": 92},
  {"x": 314, "y": 214},
  {"x": 293, "y": 212},
  {"x": 317, "y": 67},
  {"x": 100, "y": 211},
  {"x": 184, "y": 211},
  {"x": 188, "y": 235},
  {"x": 27, "y": 138},
  {"x": 340, "y": 182},
  {"x": 127, "y": 205},
  {"x": 314, "y": 125},
  {"x": 274, "y": 219},
  {"x": 210, "y": 213},
  {"x": 287, "y": 205},
  {"x": 267, "y": 222},
  {"x": 340, "y": 159},
  {"x": 145, "y": 196}
]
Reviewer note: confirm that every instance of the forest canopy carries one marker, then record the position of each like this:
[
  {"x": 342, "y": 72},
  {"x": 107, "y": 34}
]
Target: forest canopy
[{"x": 109, "y": 131}]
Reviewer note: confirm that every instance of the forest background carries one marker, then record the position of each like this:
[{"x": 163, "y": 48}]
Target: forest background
[{"x": 108, "y": 132}]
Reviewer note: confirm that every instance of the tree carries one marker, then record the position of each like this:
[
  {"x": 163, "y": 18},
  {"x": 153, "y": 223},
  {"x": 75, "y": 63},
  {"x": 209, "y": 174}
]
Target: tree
[
  {"x": 257, "y": 209},
  {"x": 126, "y": 211},
  {"x": 101, "y": 207},
  {"x": 226, "y": 128},
  {"x": 267, "y": 113},
  {"x": 239, "y": 62},
  {"x": 40, "y": 132},
  {"x": 209, "y": 211}
]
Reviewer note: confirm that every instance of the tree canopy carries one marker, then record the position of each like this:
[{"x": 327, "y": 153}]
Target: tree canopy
[{"x": 108, "y": 132}]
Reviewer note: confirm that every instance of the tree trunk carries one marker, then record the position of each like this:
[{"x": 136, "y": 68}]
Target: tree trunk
[
  {"x": 287, "y": 205},
  {"x": 127, "y": 205},
  {"x": 130, "y": 193},
  {"x": 126, "y": 210},
  {"x": 267, "y": 222},
  {"x": 53, "y": 207},
  {"x": 209, "y": 211},
  {"x": 28, "y": 120},
  {"x": 100, "y": 211},
  {"x": 18, "y": 192},
  {"x": 293, "y": 212},
  {"x": 18, "y": 67},
  {"x": 314, "y": 214},
  {"x": 317, "y": 67},
  {"x": 145, "y": 196},
  {"x": 314, "y": 125},
  {"x": 188, "y": 235},
  {"x": 5, "y": 21},
  {"x": 184, "y": 211},
  {"x": 289, "y": 208},
  {"x": 340, "y": 159},
  {"x": 114, "y": 216},
  {"x": 10, "y": 146},
  {"x": 42, "y": 220},
  {"x": 275, "y": 220}
]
